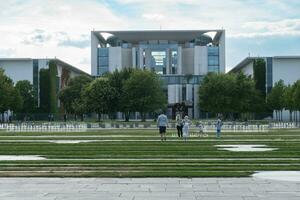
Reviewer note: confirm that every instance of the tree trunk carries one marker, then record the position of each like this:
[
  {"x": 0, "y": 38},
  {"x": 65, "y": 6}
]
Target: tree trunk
[
  {"x": 99, "y": 117},
  {"x": 127, "y": 114},
  {"x": 143, "y": 115},
  {"x": 81, "y": 117},
  {"x": 291, "y": 117}
]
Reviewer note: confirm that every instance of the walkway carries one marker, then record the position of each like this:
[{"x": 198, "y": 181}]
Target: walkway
[{"x": 148, "y": 188}]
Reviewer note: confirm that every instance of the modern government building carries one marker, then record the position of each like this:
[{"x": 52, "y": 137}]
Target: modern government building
[{"x": 180, "y": 57}]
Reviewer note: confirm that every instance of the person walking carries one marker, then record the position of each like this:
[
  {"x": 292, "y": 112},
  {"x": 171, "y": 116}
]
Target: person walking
[
  {"x": 162, "y": 123},
  {"x": 186, "y": 126},
  {"x": 218, "y": 127},
  {"x": 179, "y": 125}
]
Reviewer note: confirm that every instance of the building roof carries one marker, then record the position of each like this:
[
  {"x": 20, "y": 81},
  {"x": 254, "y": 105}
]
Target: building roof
[
  {"x": 146, "y": 35},
  {"x": 71, "y": 67},
  {"x": 242, "y": 64},
  {"x": 248, "y": 60}
]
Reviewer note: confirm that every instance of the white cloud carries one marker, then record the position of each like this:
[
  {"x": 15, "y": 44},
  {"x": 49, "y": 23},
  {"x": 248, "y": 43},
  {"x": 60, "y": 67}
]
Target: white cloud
[{"x": 153, "y": 16}]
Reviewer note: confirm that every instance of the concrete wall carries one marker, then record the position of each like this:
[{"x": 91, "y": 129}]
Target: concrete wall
[
  {"x": 222, "y": 52},
  {"x": 187, "y": 60},
  {"x": 286, "y": 69},
  {"x": 248, "y": 69},
  {"x": 126, "y": 58},
  {"x": 179, "y": 60},
  {"x": 115, "y": 58},
  {"x": 94, "y": 53},
  {"x": 18, "y": 70},
  {"x": 200, "y": 60},
  {"x": 174, "y": 93}
]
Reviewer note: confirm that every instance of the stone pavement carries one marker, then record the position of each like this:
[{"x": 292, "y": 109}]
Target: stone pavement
[{"x": 147, "y": 188}]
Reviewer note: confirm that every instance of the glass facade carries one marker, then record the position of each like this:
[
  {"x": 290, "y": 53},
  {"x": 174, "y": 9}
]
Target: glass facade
[
  {"x": 213, "y": 59},
  {"x": 103, "y": 61},
  {"x": 163, "y": 56},
  {"x": 181, "y": 79}
]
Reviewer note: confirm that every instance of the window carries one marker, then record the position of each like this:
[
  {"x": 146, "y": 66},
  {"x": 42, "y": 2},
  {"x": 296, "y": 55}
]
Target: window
[
  {"x": 213, "y": 59},
  {"x": 103, "y": 61}
]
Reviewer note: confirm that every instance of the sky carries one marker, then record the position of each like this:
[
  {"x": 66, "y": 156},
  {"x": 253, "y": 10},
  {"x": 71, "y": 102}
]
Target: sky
[{"x": 61, "y": 28}]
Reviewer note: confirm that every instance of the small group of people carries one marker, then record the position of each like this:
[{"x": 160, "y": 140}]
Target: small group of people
[
  {"x": 6, "y": 116},
  {"x": 183, "y": 126}
]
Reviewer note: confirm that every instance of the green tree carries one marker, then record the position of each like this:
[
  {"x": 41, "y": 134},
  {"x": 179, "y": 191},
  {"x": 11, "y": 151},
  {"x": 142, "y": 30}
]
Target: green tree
[
  {"x": 289, "y": 102},
  {"x": 27, "y": 92},
  {"x": 229, "y": 94},
  {"x": 117, "y": 80},
  {"x": 216, "y": 93},
  {"x": 145, "y": 93},
  {"x": 71, "y": 96},
  {"x": 259, "y": 75},
  {"x": 10, "y": 98},
  {"x": 296, "y": 97},
  {"x": 44, "y": 83},
  {"x": 100, "y": 97},
  {"x": 275, "y": 99}
]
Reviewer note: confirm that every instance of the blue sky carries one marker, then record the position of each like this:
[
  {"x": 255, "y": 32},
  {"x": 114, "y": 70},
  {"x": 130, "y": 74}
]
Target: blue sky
[{"x": 61, "y": 28}]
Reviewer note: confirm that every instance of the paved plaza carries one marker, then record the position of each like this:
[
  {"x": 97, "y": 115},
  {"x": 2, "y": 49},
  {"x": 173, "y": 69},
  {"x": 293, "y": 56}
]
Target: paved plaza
[{"x": 148, "y": 188}]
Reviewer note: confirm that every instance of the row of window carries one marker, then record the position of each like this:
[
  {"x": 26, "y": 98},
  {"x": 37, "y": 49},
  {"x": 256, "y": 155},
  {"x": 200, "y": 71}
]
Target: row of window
[{"x": 181, "y": 79}]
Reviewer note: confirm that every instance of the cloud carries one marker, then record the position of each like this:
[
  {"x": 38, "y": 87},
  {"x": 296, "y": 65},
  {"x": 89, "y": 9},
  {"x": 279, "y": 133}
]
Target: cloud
[
  {"x": 6, "y": 52},
  {"x": 83, "y": 41},
  {"x": 37, "y": 37},
  {"x": 286, "y": 27},
  {"x": 153, "y": 16}
]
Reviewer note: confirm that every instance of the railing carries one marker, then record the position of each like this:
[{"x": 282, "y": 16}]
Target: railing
[{"x": 82, "y": 127}]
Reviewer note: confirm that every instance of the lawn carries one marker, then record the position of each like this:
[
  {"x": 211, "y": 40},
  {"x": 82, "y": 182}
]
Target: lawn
[{"x": 140, "y": 153}]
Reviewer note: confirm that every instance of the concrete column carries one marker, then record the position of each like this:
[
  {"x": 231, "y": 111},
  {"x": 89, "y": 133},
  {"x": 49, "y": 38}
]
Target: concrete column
[
  {"x": 222, "y": 52},
  {"x": 134, "y": 64},
  {"x": 168, "y": 61},
  {"x": 196, "y": 102},
  {"x": 179, "y": 60},
  {"x": 94, "y": 53}
]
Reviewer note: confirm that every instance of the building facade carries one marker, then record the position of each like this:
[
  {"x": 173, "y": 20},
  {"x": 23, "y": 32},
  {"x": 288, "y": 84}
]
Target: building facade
[
  {"x": 29, "y": 69},
  {"x": 286, "y": 68},
  {"x": 181, "y": 58}
]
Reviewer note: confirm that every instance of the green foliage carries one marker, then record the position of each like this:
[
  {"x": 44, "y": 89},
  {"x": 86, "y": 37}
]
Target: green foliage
[
  {"x": 145, "y": 94},
  {"x": 71, "y": 95},
  {"x": 296, "y": 95},
  {"x": 117, "y": 80},
  {"x": 53, "y": 86},
  {"x": 229, "y": 93},
  {"x": 10, "y": 98},
  {"x": 44, "y": 91},
  {"x": 28, "y": 94},
  {"x": 100, "y": 96},
  {"x": 275, "y": 99},
  {"x": 259, "y": 73}
]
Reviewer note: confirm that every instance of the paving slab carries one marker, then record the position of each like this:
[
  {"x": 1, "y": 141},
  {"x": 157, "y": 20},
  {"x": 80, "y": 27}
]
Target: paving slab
[{"x": 148, "y": 189}]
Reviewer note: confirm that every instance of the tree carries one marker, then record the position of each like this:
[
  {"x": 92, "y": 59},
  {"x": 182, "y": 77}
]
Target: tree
[
  {"x": 145, "y": 94},
  {"x": 10, "y": 98},
  {"x": 117, "y": 80},
  {"x": 289, "y": 102},
  {"x": 296, "y": 97},
  {"x": 275, "y": 99},
  {"x": 44, "y": 83},
  {"x": 229, "y": 94},
  {"x": 259, "y": 75},
  {"x": 216, "y": 93},
  {"x": 71, "y": 95},
  {"x": 100, "y": 96},
  {"x": 29, "y": 97}
]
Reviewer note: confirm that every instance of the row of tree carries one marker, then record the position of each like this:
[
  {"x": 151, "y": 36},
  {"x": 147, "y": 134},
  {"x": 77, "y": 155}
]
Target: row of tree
[
  {"x": 230, "y": 95},
  {"x": 19, "y": 98},
  {"x": 127, "y": 91},
  {"x": 285, "y": 97}
]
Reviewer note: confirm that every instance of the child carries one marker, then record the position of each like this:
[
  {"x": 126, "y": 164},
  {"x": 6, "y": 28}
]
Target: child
[
  {"x": 201, "y": 130},
  {"x": 186, "y": 127}
]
